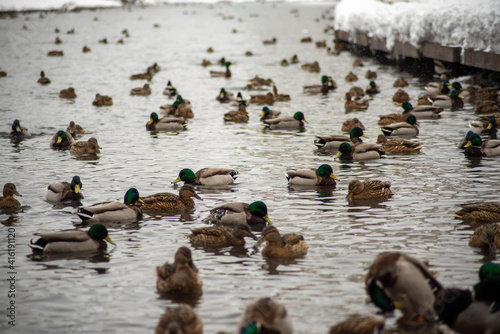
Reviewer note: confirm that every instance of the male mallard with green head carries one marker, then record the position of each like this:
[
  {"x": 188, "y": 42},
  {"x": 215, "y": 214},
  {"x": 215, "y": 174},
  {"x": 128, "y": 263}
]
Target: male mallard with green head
[
  {"x": 265, "y": 315},
  {"x": 406, "y": 129},
  {"x": 179, "y": 319},
  {"x": 226, "y": 74},
  {"x": 210, "y": 176},
  {"x": 18, "y": 131},
  {"x": 475, "y": 147},
  {"x": 360, "y": 152},
  {"x": 234, "y": 213},
  {"x": 180, "y": 108},
  {"x": 171, "y": 202},
  {"x": 372, "y": 88},
  {"x": 90, "y": 146},
  {"x": 332, "y": 142},
  {"x": 167, "y": 123},
  {"x": 64, "y": 191},
  {"x": 62, "y": 140},
  {"x": 283, "y": 246},
  {"x": 268, "y": 114},
  {"x": 224, "y": 96},
  {"x": 323, "y": 88},
  {"x": 170, "y": 90},
  {"x": 286, "y": 122},
  {"x": 7, "y": 201},
  {"x": 322, "y": 176},
  {"x": 220, "y": 235}
]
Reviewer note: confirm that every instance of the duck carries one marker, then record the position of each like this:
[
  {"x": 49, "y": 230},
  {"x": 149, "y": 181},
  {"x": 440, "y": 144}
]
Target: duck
[
  {"x": 180, "y": 276},
  {"x": 286, "y": 122},
  {"x": 486, "y": 107},
  {"x": 398, "y": 145},
  {"x": 422, "y": 111},
  {"x": 279, "y": 97},
  {"x": 179, "y": 319},
  {"x": 465, "y": 140},
  {"x": 358, "y": 63},
  {"x": 294, "y": 59},
  {"x": 85, "y": 147},
  {"x": 171, "y": 202},
  {"x": 209, "y": 176},
  {"x": 311, "y": 67},
  {"x": 485, "y": 126},
  {"x": 351, "y": 77},
  {"x": 148, "y": 75},
  {"x": 402, "y": 281},
  {"x": 248, "y": 53},
  {"x": 350, "y": 124},
  {"x": 144, "y": 90},
  {"x": 372, "y": 88},
  {"x": 486, "y": 237},
  {"x": 322, "y": 176},
  {"x": 62, "y": 140},
  {"x": 7, "y": 201},
  {"x": 75, "y": 129},
  {"x": 234, "y": 213},
  {"x": 438, "y": 88},
  {"x": 360, "y": 152},
  {"x": 43, "y": 80},
  {"x": 268, "y": 114},
  {"x": 452, "y": 102},
  {"x": 224, "y": 96},
  {"x": 332, "y": 142},
  {"x": 237, "y": 116},
  {"x": 226, "y": 73},
  {"x": 270, "y": 41},
  {"x": 356, "y": 91},
  {"x": 64, "y": 191},
  {"x": 206, "y": 62},
  {"x": 170, "y": 90},
  {"x": 284, "y": 62},
  {"x": 220, "y": 235},
  {"x": 86, "y": 49},
  {"x": 371, "y": 75},
  {"x": 166, "y": 123},
  {"x": 400, "y": 96},
  {"x": 129, "y": 210},
  {"x": 17, "y": 130},
  {"x": 307, "y": 39},
  {"x": 323, "y": 88},
  {"x": 281, "y": 246},
  {"x": 407, "y": 129},
  {"x": 74, "y": 240},
  {"x": 359, "y": 324},
  {"x": 479, "y": 212},
  {"x": 239, "y": 99},
  {"x": 373, "y": 189},
  {"x": 265, "y": 315},
  {"x": 396, "y": 117},
  {"x": 68, "y": 93},
  {"x": 155, "y": 68},
  {"x": 262, "y": 99},
  {"x": 55, "y": 53},
  {"x": 102, "y": 100},
  {"x": 180, "y": 108},
  {"x": 355, "y": 103},
  {"x": 475, "y": 147},
  {"x": 400, "y": 83},
  {"x": 257, "y": 82}
]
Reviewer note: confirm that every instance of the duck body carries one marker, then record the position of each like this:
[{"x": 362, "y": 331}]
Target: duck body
[
  {"x": 166, "y": 123},
  {"x": 68, "y": 93},
  {"x": 405, "y": 129},
  {"x": 170, "y": 90},
  {"x": 237, "y": 116},
  {"x": 64, "y": 191},
  {"x": 398, "y": 145},
  {"x": 311, "y": 67},
  {"x": 43, "y": 80},
  {"x": 362, "y": 190},
  {"x": 220, "y": 235},
  {"x": 476, "y": 147},
  {"x": 62, "y": 140},
  {"x": 7, "y": 201},
  {"x": 75, "y": 129},
  {"x": 333, "y": 142},
  {"x": 18, "y": 131},
  {"x": 322, "y": 176},
  {"x": 179, "y": 319},
  {"x": 102, "y": 100},
  {"x": 85, "y": 147},
  {"x": 356, "y": 103},
  {"x": 224, "y": 96},
  {"x": 226, "y": 74},
  {"x": 144, "y": 90},
  {"x": 269, "y": 114},
  {"x": 350, "y": 124},
  {"x": 322, "y": 88},
  {"x": 265, "y": 315},
  {"x": 171, "y": 202},
  {"x": 180, "y": 108},
  {"x": 262, "y": 99},
  {"x": 280, "y": 97},
  {"x": 359, "y": 324},
  {"x": 486, "y": 237},
  {"x": 210, "y": 176},
  {"x": 360, "y": 152},
  {"x": 479, "y": 212},
  {"x": 235, "y": 213},
  {"x": 282, "y": 246},
  {"x": 290, "y": 123}
]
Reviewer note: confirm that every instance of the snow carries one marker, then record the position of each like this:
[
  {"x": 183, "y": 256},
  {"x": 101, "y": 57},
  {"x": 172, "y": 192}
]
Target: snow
[{"x": 466, "y": 23}]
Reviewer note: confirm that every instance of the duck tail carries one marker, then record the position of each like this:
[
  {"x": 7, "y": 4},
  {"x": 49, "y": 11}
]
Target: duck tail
[
  {"x": 320, "y": 143},
  {"x": 38, "y": 245},
  {"x": 234, "y": 174},
  {"x": 386, "y": 131},
  {"x": 84, "y": 214}
]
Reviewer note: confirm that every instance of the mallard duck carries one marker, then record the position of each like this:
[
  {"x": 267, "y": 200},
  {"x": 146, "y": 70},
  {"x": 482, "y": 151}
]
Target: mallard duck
[
  {"x": 398, "y": 145},
  {"x": 18, "y": 130},
  {"x": 3, "y": 74},
  {"x": 68, "y": 93},
  {"x": 55, "y": 53},
  {"x": 372, "y": 88},
  {"x": 286, "y": 245},
  {"x": 180, "y": 108},
  {"x": 171, "y": 202},
  {"x": 206, "y": 62},
  {"x": 438, "y": 88},
  {"x": 67, "y": 241},
  {"x": 239, "y": 99},
  {"x": 422, "y": 111},
  {"x": 102, "y": 100},
  {"x": 294, "y": 59},
  {"x": 371, "y": 75},
  {"x": 359, "y": 324},
  {"x": 86, "y": 147},
  {"x": 476, "y": 147},
  {"x": 210, "y": 49},
  {"x": 396, "y": 118},
  {"x": 220, "y": 235},
  {"x": 486, "y": 237},
  {"x": 237, "y": 116},
  {"x": 64, "y": 191},
  {"x": 284, "y": 62},
  {"x": 356, "y": 91},
  {"x": 226, "y": 73},
  {"x": 486, "y": 107},
  {"x": 249, "y": 53},
  {"x": 466, "y": 139},
  {"x": 144, "y": 90},
  {"x": 148, "y": 75},
  {"x": 262, "y": 99},
  {"x": 405, "y": 282},
  {"x": 268, "y": 114},
  {"x": 400, "y": 82},
  {"x": 258, "y": 81},
  {"x": 155, "y": 68},
  {"x": 7, "y": 201},
  {"x": 311, "y": 67},
  {"x": 332, "y": 142},
  {"x": 292, "y": 123},
  {"x": 350, "y": 77},
  {"x": 400, "y": 96},
  {"x": 239, "y": 213},
  {"x": 103, "y": 40},
  {"x": 358, "y": 103},
  {"x": 279, "y": 97},
  {"x": 75, "y": 129},
  {"x": 453, "y": 101},
  {"x": 358, "y": 63},
  {"x": 210, "y": 176},
  {"x": 114, "y": 211},
  {"x": 265, "y": 315},
  {"x": 317, "y": 89},
  {"x": 224, "y": 96},
  {"x": 369, "y": 190},
  {"x": 479, "y": 212},
  {"x": 269, "y": 41},
  {"x": 363, "y": 151},
  {"x": 43, "y": 80},
  {"x": 350, "y": 124},
  {"x": 179, "y": 277},
  {"x": 166, "y": 123},
  {"x": 86, "y": 49},
  {"x": 322, "y": 176},
  {"x": 307, "y": 39},
  {"x": 170, "y": 90},
  {"x": 62, "y": 140},
  {"x": 407, "y": 129},
  {"x": 485, "y": 126},
  {"x": 179, "y": 319}
]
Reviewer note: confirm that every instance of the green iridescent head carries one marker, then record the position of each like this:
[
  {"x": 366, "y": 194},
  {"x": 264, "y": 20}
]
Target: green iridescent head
[
  {"x": 474, "y": 140},
  {"x": 357, "y": 132},
  {"x": 16, "y": 126},
  {"x": 132, "y": 197},
  {"x": 412, "y": 120},
  {"x": 492, "y": 123},
  {"x": 186, "y": 175},
  {"x": 99, "y": 232},
  {"x": 153, "y": 118},
  {"x": 324, "y": 79},
  {"x": 380, "y": 298},
  {"x": 299, "y": 116},
  {"x": 76, "y": 184},
  {"x": 326, "y": 171},
  {"x": 373, "y": 84},
  {"x": 345, "y": 148},
  {"x": 259, "y": 209},
  {"x": 407, "y": 106}
]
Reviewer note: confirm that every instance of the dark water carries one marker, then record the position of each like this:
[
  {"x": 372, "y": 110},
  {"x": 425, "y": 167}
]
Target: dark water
[{"x": 115, "y": 292}]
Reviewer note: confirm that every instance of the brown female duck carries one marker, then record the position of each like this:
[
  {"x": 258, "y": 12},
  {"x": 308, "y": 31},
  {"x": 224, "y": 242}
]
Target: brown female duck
[
  {"x": 43, "y": 80},
  {"x": 75, "y": 129},
  {"x": 85, "y": 147},
  {"x": 369, "y": 190},
  {"x": 179, "y": 319},
  {"x": 7, "y": 201},
  {"x": 398, "y": 145},
  {"x": 237, "y": 116},
  {"x": 102, "y": 100},
  {"x": 144, "y": 90},
  {"x": 221, "y": 235},
  {"x": 68, "y": 93},
  {"x": 171, "y": 202},
  {"x": 287, "y": 245},
  {"x": 479, "y": 212}
]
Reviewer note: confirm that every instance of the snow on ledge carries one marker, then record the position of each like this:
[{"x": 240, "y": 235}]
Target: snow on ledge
[
  {"x": 471, "y": 24},
  {"x": 23, "y": 5}
]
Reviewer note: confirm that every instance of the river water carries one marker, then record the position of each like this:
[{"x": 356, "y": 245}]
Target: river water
[{"x": 115, "y": 292}]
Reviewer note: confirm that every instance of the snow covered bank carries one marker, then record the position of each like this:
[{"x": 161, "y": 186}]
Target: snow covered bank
[{"x": 24, "y": 5}]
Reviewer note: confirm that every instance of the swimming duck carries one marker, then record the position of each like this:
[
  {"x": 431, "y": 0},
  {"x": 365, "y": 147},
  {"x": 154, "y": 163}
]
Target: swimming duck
[
  {"x": 226, "y": 74},
  {"x": 400, "y": 96},
  {"x": 395, "y": 117},
  {"x": 144, "y": 90},
  {"x": 55, "y": 53},
  {"x": 166, "y": 123},
  {"x": 262, "y": 98},
  {"x": 43, "y": 80},
  {"x": 179, "y": 319},
  {"x": 486, "y": 107},
  {"x": 398, "y": 145},
  {"x": 86, "y": 49},
  {"x": 234, "y": 213},
  {"x": 292, "y": 123},
  {"x": 270, "y": 41},
  {"x": 180, "y": 108},
  {"x": 358, "y": 103},
  {"x": 486, "y": 126},
  {"x": 307, "y": 39},
  {"x": 476, "y": 147},
  {"x": 224, "y": 96},
  {"x": 358, "y": 63},
  {"x": 210, "y": 49},
  {"x": 265, "y": 315},
  {"x": 284, "y": 62},
  {"x": 332, "y": 142},
  {"x": 322, "y": 176},
  {"x": 170, "y": 90},
  {"x": 287, "y": 245},
  {"x": 486, "y": 237},
  {"x": 404, "y": 282},
  {"x": 7, "y": 201},
  {"x": 75, "y": 129},
  {"x": 171, "y": 202},
  {"x": 363, "y": 151},
  {"x": 64, "y": 191},
  {"x": 466, "y": 139},
  {"x": 479, "y": 212},
  {"x": 317, "y": 89},
  {"x": 129, "y": 210},
  {"x": 371, "y": 75},
  {"x": 350, "y": 124},
  {"x": 359, "y": 324},
  {"x": 407, "y": 129},
  {"x": 279, "y": 97},
  {"x": 74, "y": 240},
  {"x": 179, "y": 277},
  {"x": 438, "y": 88},
  {"x": 68, "y": 93},
  {"x": 155, "y": 68},
  {"x": 400, "y": 82},
  {"x": 311, "y": 67},
  {"x": 85, "y": 147},
  {"x": 372, "y": 88},
  {"x": 261, "y": 81},
  {"x": 220, "y": 235},
  {"x": 350, "y": 77},
  {"x": 369, "y": 190},
  {"x": 453, "y": 101},
  {"x": 102, "y": 100},
  {"x": 206, "y": 62},
  {"x": 249, "y": 53},
  {"x": 18, "y": 130},
  {"x": 239, "y": 99},
  {"x": 237, "y": 116},
  {"x": 210, "y": 176},
  {"x": 58, "y": 40},
  {"x": 62, "y": 140},
  {"x": 356, "y": 91},
  {"x": 148, "y": 75},
  {"x": 268, "y": 114},
  {"x": 422, "y": 111},
  {"x": 294, "y": 59}
]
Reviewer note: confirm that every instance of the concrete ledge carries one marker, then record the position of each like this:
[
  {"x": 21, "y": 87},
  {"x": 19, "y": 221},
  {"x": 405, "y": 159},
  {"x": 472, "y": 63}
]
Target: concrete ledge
[{"x": 487, "y": 60}]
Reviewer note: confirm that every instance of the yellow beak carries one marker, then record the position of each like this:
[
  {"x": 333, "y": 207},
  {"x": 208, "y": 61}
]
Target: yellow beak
[
  {"x": 178, "y": 179},
  {"x": 365, "y": 136},
  {"x": 77, "y": 189},
  {"x": 266, "y": 218},
  {"x": 334, "y": 177},
  {"x": 338, "y": 154},
  {"x": 150, "y": 121},
  {"x": 108, "y": 239},
  {"x": 469, "y": 143},
  {"x": 59, "y": 139}
]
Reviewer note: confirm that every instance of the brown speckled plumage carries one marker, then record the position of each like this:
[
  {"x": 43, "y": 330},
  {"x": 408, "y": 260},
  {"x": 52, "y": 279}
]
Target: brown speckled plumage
[
  {"x": 369, "y": 190},
  {"x": 171, "y": 202},
  {"x": 398, "y": 145},
  {"x": 287, "y": 245},
  {"x": 86, "y": 147},
  {"x": 481, "y": 212},
  {"x": 7, "y": 201},
  {"x": 221, "y": 235},
  {"x": 180, "y": 319},
  {"x": 359, "y": 324}
]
